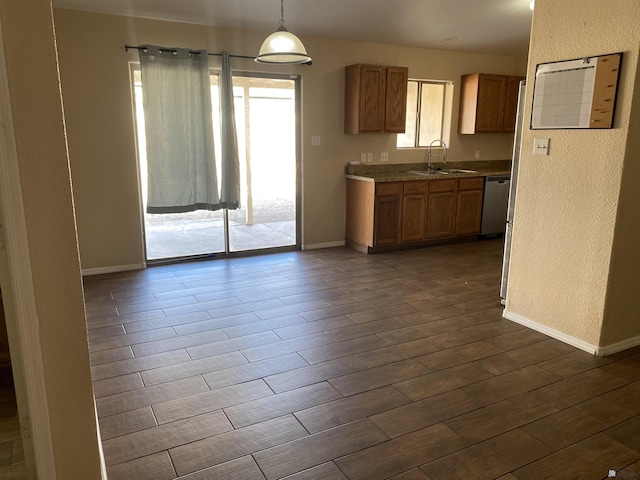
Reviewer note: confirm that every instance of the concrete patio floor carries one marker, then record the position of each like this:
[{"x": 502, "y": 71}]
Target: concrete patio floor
[{"x": 202, "y": 232}]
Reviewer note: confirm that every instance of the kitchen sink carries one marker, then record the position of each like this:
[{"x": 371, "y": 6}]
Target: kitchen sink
[{"x": 441, "y": 171}]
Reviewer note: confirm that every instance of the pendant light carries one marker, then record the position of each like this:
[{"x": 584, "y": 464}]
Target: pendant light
[{"x": 282, "y": 47}]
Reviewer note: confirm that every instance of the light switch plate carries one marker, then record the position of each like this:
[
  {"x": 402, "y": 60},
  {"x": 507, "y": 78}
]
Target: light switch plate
[
  {"x": 315, "y": 140},
  {"x": 541, "y": 146}
]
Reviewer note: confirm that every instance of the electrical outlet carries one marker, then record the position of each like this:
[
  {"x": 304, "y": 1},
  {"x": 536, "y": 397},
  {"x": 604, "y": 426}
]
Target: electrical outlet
[
  {"x": 369, "y": 157},
  {"x": 363, "y": 157},
  {"x": 384, "y": 157},
  {"x": 477, "y": 154}
]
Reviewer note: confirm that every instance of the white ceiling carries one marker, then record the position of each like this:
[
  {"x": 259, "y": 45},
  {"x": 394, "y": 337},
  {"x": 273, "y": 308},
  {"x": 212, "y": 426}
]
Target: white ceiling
[{"x": 482, "y": 26}]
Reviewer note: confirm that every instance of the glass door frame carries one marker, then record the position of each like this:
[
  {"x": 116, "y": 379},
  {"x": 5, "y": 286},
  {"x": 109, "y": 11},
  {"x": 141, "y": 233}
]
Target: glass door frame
[{"x": 227, "y": 253}]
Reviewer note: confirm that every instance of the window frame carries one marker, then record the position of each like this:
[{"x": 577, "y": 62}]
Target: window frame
[{"x": 414, "y": 111}]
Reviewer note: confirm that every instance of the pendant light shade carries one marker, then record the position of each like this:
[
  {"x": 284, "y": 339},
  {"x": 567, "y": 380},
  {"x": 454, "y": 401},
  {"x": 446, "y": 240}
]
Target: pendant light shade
[{"x": 282, "y": 46}]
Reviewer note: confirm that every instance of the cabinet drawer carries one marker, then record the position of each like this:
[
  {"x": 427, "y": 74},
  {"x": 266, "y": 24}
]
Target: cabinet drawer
[
  {"x": 390, "y": 188},
  {"x": 475, "y": 183},
  {"x": 442, "y": 186},
  {"x": 415, "y": 188}
]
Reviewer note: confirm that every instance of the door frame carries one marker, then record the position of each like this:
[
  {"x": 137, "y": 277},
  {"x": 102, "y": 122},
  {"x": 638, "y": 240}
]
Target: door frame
[
  {"x": 297, "y": 82},
  {"x": 16, "y": 280},
  {"x": 297, "y": 79}
]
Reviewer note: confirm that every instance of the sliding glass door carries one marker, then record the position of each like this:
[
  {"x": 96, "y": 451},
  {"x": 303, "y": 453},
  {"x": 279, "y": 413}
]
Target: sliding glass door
[
  {"x": 266, "y": 115},
  {"x": 266, "y": 111}
]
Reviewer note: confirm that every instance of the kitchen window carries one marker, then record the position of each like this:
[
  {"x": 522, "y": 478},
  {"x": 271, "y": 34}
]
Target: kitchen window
[{"x": 429, "y": 106}]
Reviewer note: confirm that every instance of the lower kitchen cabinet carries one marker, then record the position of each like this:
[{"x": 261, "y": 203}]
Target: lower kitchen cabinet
[
  {"x": 469, "y": 206},
  {"x": 441, "y": 209},
  {"x": 414, "y": 211},
  {"x": 387, "y": 215}
]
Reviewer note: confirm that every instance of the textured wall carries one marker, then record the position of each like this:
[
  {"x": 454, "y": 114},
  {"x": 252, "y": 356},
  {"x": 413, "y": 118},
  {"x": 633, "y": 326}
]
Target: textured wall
[
  {"x": 622, "y": 307},
  {"x": 97, "y": 98},
  {"x": 567, "y": 202},
  {"x": 28, "y": 37}
]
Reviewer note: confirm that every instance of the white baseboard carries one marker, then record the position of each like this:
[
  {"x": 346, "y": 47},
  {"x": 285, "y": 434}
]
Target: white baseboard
[
  {"x": 551, "y": 332},
  {"x": 618, "y": 347},
  {"x": 117, "y": 269},
  {"x": 317, "y": 246},
  {"x": 563, "y": 337}
]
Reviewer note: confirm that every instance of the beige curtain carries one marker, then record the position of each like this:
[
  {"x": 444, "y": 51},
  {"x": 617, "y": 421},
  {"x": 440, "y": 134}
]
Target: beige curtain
[{"x": 176, "y": 96}]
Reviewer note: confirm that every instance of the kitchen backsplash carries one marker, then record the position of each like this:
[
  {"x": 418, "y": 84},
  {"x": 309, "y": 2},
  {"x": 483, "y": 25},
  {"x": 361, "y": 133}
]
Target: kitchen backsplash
[{"x": 363, "y": 169}]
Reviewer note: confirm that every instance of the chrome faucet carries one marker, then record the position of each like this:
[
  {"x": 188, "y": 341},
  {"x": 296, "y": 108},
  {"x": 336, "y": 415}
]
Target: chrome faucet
[{"x": 443, "y": 154}]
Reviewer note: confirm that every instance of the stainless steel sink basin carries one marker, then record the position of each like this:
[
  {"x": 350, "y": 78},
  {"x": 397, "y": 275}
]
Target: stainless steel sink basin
[{"x": 441, "y": 171}]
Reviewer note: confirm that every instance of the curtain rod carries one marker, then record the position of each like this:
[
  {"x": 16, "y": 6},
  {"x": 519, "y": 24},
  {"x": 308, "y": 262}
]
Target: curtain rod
[{"x": 127, "y": 47}]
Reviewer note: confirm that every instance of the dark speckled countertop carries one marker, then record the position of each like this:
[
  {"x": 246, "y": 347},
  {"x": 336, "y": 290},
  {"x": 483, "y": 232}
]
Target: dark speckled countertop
[{"x": 401, "y": 172}]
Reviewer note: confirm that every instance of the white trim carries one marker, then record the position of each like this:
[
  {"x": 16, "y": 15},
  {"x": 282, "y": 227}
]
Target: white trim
[
  {"x": 317, "y": 246},
  {"x": 34, "y": 418},
  {"x": 618, "y": 347},
  {"x": 134, "y": 116},
  {"x": 552, "y": 332},
  {"x": 563, "y": 337},
  {"x": 116, "y": 269}
]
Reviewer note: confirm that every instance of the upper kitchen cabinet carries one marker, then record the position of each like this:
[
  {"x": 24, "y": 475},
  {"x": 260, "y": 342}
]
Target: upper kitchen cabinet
[
  {"x": 488, "y": 103},
  {"x": 375, "y": 99}
]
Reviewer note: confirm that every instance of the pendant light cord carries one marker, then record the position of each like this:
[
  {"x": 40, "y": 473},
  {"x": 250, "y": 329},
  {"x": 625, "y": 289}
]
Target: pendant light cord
[{"x": 282, "y": 14}]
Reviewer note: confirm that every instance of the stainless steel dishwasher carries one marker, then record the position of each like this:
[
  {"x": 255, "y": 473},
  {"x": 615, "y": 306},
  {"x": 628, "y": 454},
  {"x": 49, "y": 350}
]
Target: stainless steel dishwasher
[{"x": 494, "y": 208}]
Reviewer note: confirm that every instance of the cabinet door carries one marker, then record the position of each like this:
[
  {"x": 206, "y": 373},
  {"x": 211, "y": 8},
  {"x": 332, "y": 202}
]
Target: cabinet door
[
  {"x": 359, "y": 213},
  {"x": 511, "y": 104},
  {"x": 468, "y": 103},
  {"x": 396, "y": 99},
  {"x": 468, "y": 212},
  {"x": 373, "y": 83},
  {"x": 490, "y": 114},
  {"x": 386, "y": 222},
  {"x": 414, "y": 208},
  {"x": 440, "y": 215}
]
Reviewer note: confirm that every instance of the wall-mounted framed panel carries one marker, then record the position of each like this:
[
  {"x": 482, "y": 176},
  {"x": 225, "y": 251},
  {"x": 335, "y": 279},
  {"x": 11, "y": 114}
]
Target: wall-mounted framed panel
[{"x": 574, "y": 94}]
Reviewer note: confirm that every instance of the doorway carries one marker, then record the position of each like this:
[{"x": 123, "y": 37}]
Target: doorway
[{"x": 266, "y": 108}]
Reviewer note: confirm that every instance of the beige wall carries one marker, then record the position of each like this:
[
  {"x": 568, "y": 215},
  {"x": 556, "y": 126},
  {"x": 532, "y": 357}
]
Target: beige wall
[
  {"x": 622, "y": 304},
  {"x": 53, "y": 251},
  {"x": 567, "y": 202},
  {"x": 95, "y": 84}
]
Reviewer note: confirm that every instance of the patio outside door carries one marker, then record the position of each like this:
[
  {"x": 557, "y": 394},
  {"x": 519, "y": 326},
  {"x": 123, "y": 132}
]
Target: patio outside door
[{"x": 266, "y": 110}]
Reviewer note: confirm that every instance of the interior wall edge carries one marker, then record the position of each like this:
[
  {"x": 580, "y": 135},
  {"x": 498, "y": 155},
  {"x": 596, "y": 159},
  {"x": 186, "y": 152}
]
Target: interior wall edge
[{"x": 622, "y": 303}]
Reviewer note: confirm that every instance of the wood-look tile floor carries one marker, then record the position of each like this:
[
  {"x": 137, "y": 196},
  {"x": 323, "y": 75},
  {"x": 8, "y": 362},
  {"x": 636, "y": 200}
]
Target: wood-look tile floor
[{"x": 331, "y": 364}]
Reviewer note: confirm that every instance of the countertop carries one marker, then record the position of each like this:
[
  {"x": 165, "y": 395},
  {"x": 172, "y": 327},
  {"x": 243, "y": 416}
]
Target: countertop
[{"x": 401, "y": 172}]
